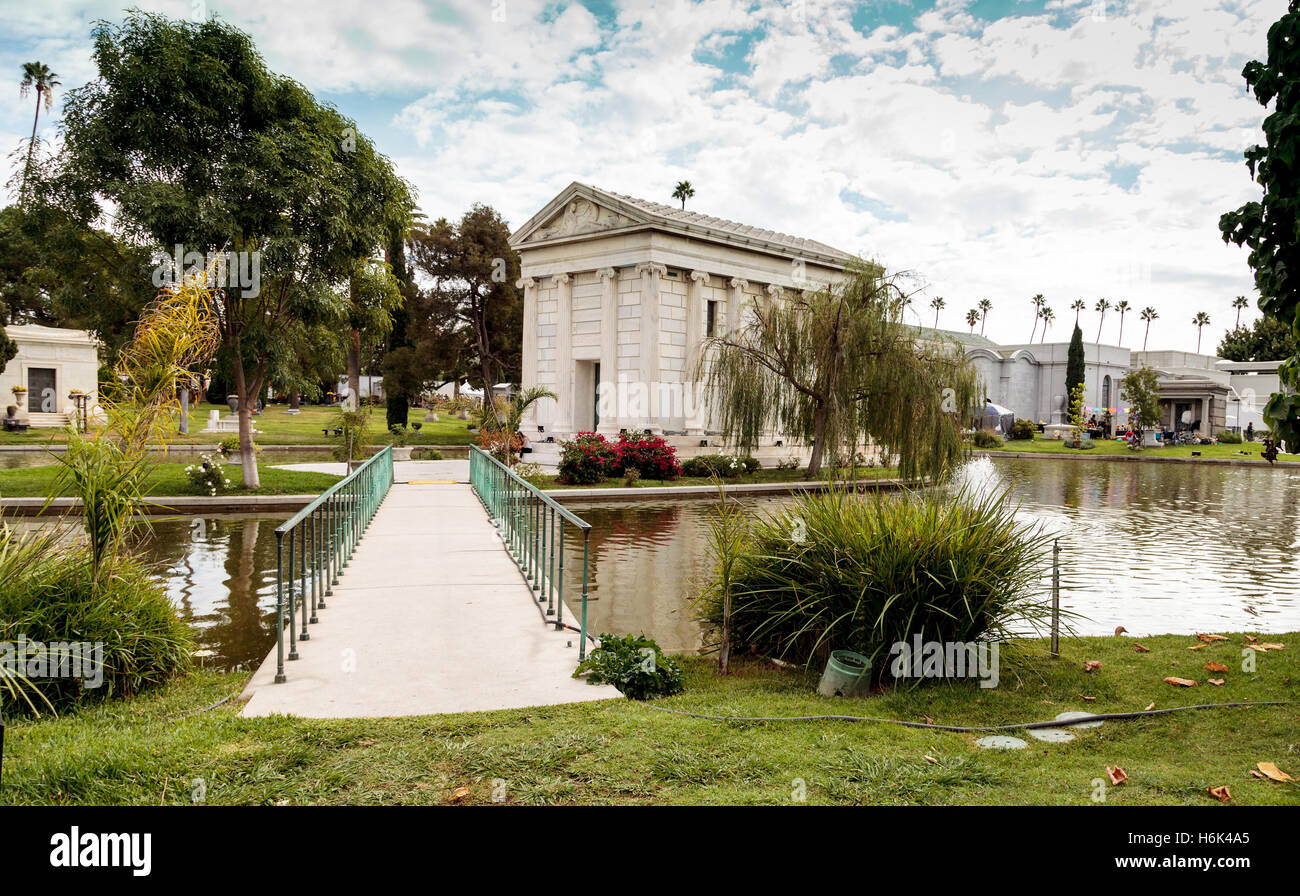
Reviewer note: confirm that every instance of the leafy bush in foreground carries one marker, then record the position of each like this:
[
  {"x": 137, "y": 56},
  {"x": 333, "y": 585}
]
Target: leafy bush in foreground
[
  {"x": 838, "y": 570},
  {"x": 50, "y": 596},
  {"x": 633, "y": 664}
]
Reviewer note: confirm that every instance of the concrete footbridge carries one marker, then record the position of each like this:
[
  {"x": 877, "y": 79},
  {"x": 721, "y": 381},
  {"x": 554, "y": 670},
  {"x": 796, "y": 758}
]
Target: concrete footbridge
[{"x": 424, "y": 587}]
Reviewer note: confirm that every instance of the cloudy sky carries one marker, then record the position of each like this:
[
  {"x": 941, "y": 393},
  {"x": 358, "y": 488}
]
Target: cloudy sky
[{"x": 997, "y": 148}]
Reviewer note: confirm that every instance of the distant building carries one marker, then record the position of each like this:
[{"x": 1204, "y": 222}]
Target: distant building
[{"x": 51, "y": 363}]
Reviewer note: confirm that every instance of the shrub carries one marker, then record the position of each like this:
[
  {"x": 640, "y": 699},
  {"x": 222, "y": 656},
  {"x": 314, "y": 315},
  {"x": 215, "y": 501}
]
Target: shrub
[
  {"x": 531, "y": 473},
  {"x": 646, "y": 453},
  {"x": 724, "y": 466},
  {"x": 423, "y": 453},
  {"x": 1022, "y": 430},
  {"x": 1229, "y": 438},
  {"x": 398, "y": 435},
  {"x": 838, "y": 570},
  {"x": 630, "y": 477},
  {"x": 790, "y": 463},
  {"x": 208, "y": 474},
  {"x": 634, "y": 665},
  {"x": 985, "y": 439},
  {"x": 354, "y": 434},
  {"x": 229, "y": 446},
  {"x": 586, "y": 459},
  {"x": 51, "y": 596}
]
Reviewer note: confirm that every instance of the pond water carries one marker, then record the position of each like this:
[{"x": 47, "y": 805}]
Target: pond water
[{"x": 1153, "y": 547}]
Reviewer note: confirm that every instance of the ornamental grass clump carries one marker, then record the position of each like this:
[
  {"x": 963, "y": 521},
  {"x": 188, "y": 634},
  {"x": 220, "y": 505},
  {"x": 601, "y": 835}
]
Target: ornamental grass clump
[{"x": 839, "y": 570}]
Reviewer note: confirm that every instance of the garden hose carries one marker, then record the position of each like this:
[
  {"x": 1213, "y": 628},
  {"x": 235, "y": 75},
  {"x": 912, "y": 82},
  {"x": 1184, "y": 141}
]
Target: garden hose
[{"x": 1054, "y": 723}]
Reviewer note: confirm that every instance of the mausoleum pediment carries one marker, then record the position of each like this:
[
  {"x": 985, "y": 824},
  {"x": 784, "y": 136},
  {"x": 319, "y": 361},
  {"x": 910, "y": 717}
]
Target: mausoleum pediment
[{"x": 579, "y": 216}]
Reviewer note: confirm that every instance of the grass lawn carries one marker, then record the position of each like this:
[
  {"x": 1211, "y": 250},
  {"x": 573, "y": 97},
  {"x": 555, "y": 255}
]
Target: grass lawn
[
  {"x": 169, "y": 480},
  {"x": 1244, "y": 451},
  {"x": 150, "y": 750},
  {"x": 761, "y": 476},
  {"x": 281, "y": 428}
]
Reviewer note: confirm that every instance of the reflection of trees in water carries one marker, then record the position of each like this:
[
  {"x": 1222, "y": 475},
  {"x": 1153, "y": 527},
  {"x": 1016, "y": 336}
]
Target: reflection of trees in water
[{"x": 242, "y": 633}]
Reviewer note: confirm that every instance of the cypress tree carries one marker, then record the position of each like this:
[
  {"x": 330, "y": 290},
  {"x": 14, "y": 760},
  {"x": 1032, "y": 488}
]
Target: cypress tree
[{"x": 1074, "y": 362}]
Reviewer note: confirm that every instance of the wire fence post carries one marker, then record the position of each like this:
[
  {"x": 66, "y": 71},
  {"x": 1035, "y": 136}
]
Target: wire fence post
[{"x": 1056, "y": 597}]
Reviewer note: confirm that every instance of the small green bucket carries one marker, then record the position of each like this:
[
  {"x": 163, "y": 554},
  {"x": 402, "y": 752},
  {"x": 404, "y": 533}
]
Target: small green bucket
[{"x": 845, "y": 675}]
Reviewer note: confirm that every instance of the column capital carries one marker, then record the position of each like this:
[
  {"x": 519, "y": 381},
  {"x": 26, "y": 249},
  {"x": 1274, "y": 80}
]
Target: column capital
[
  {"x": 739, "y": 283},
  {"x": 561, "y": 279},
  {"x": 652, "y": 267},
  {"x": 775, "y": 290},
  {"x": 700, "y": 277},
  {"x": 606, "y": 273},
  {"x": 526, "y": 282}
]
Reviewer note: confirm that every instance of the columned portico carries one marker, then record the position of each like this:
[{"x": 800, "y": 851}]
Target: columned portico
[{"x": 620, "y": 296}]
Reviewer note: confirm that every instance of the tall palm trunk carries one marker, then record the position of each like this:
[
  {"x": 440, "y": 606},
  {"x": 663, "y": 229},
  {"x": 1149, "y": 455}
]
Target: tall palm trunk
[
  {"x": 32, "y": 144},
  {"x": 1146, "y": 335}
]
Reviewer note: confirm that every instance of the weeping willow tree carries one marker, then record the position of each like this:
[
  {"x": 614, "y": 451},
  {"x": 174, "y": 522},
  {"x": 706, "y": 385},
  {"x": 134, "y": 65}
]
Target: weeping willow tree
[{"x": 838, "y": 367}]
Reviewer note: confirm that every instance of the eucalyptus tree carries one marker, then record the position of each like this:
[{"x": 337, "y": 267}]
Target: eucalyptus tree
[
  {"x": 232, "y": 158},
  {"x": 1200, "y": 321},
  {"x": 1148, "y": 314},
  {"x": 837, "y": 367},
  {"x": 1123, "y": 307},
  {"x": 38, "y": 77}
]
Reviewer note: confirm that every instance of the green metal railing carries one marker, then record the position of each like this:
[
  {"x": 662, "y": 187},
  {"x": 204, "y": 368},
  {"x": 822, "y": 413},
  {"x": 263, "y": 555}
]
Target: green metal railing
[
  {"x": 532, "y": 526},
  {"x": 322, "y": 537}
]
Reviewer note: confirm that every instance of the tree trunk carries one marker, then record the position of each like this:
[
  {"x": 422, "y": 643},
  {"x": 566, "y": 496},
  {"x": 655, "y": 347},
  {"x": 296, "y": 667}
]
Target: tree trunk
[
  {"x": 819, "y": 441},
  {"x": 724, "y": 649},
  {"x": 354, "y": 369},
  {"x": 247, "y": 456},
  {"x": 32, "y": 145},
  {"x": 295, "y": 400}
]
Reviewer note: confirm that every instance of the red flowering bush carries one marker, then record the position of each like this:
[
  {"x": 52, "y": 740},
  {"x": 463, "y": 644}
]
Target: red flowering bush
[
  {"x": 648, "y": 454},
  {"x": 586, "y": 460}
]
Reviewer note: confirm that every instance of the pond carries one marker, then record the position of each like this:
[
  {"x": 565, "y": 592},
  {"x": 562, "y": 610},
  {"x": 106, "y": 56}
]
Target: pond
[{"x": 1154, "y": 547}]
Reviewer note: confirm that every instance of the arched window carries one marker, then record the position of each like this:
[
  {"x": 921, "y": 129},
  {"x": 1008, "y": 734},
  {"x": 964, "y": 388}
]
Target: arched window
[{"x": 1105, "y": 392}]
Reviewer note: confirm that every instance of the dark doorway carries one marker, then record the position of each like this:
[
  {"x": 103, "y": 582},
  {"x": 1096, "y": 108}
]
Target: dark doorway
[{"x": 41, "y": 395}]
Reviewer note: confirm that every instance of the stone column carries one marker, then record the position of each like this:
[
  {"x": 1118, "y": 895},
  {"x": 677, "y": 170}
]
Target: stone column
[
  {"x": 738, "y": 287},
  {"x": 528, "y": 362},
  {"x": 611, "y": 414},
  {"x": 564, "y": 353},
  {"x": 648, "y": 360},
  {"x": 695, "y": 312}
]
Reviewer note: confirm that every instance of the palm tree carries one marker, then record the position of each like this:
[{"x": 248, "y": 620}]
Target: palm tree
[
  {"x": 37, "y": 75},
  {"x": 1039, "y": 302},
  {"x": 1077, "y": 306},
  {"x": 1102, "y": 305},
  {"x": 683, "y": 191},
  {"x": 936, "y": 303},
  {"x": 984, "y": 305},
  {"x": 1200, "y": 320},
  {"x": 972, "y": 318},
  {"x": 1048, "y": 315},
  {"x": 1148, "y": 314},
  {"x": 1239, "y": 303},
  {"x": 1123, "y": 307}
]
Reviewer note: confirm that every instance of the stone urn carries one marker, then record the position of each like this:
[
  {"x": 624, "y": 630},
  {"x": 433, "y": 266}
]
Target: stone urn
[
  {"x": 402, "y": 453},
  {"x": 232, "y": 401}
]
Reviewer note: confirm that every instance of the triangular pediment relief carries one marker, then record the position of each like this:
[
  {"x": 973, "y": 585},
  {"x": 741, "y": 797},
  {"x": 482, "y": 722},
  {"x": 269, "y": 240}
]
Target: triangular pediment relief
[{"x": 577, "y": 217}]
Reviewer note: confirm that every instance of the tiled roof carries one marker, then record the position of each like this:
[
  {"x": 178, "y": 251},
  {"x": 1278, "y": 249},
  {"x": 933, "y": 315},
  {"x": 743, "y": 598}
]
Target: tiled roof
[{"x": 724, "y": 228}]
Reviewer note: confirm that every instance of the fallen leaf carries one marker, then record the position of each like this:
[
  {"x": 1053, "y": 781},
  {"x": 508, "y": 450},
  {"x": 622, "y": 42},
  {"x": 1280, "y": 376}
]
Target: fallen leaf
[
  {"x": 1252, "y": 639},
  {"x": 929, "y": 758},
  {"x": 1272, "y": 647},
  {"x": 1222, "y": 794},
  {"x": 1259, "y": 774},
  {"x": 1215, "y": 667},
  {"x": 1151, "y": 706},
  {"x": 1181, "y": 682},
  {"x": 1138, "y": 648},
  {"x": 1117, "y": 775},
  {"x": 1209, "y": 639},
  {"x": 928, "y": 720},
  {"x": 1119, "y": 630},
  {"x": 1197, "y": 647},
  {"x": 1217, "y": 682},
  {"x": 1274, "y": 772},
  {"x": 1088, "y": 699},
  {"x": 1090, "y": 665},
  {"x": 458, "y": 794}
]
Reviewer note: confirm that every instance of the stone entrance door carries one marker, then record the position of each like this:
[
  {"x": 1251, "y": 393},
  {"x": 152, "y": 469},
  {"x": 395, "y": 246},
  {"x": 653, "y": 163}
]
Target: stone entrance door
[{"x": 41, "y": 395}]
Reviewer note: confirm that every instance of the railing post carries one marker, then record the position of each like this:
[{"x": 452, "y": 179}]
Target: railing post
[
  {"x": 550, "y": 568},
  {"x": 293, "y": 609},
  {"x": 279, "y": 609},
  {"x": 559, "y": 603},
  {"x": 313, "y": 620},
  {"x": 582, "y": 644}
]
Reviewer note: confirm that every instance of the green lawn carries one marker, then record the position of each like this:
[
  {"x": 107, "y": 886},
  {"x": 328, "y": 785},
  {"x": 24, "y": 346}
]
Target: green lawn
[
  {"x": 761, "y": 476},
  {"x": 169, "y": 480},
  {"x": 281, "y": 428},
  {"x": 1244, "y": 451},
  {"x": 156, "y": 749}
]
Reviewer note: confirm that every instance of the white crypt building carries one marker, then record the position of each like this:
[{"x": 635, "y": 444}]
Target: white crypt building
[{"x": 619, "y": 296}]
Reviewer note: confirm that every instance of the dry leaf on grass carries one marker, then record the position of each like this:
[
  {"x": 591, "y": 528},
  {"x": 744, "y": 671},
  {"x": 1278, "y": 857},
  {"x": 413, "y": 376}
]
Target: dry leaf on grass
[
  {"x": 1217, "y": 682},
  {"x": 458, "y": 794},
  {"x": 1215, "y": 667},
  {"x": 1222, "y": 794},
  {"x": 1209, "y": 639},
  {"x": 1088, "y": 699},
  {"x": 929, "y": 758},
  {"x": 1180, "y": 682},
  {"x": 1273, "y": 772},
  {"x": 1252, "y": 639},
  {"x": 1197, "y": 647},
  {"x": 1090, "y": 665},
  {"x": 1150, "y": 706},
  {"x": 1117, "y": 775},
  {"x": 1138, "y": 648}
]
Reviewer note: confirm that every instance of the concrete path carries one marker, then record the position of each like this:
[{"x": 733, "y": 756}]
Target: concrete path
[{"x": 431, "y": 616}]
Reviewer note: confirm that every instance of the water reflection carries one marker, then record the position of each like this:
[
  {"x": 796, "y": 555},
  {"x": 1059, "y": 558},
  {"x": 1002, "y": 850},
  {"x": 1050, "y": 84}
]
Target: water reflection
[{"x": 1153, "y": 547}]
